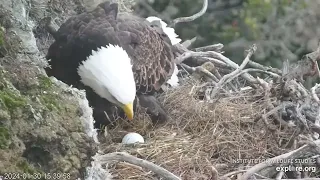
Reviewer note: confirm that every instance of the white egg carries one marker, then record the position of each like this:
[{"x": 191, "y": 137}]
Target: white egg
[{"x": 132, "y": 138}]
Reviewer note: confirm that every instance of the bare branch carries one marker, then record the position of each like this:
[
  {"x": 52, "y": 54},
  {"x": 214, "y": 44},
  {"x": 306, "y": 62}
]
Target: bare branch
[
  {"x": 253, "y": 70},
  {"x": 232, "y": 74},
  {"x": 201, "y": 70},
  {"x": 122, "y": 156},
  {"x": 260, "y": 66},
  {"x": 295, "y": 154},
  {"x": 189, "y": 42},
  {"x": 234, "y": 65},
  {"x": 215, "y": 58},
  {"x": 279, "y": 175},
  {"x": 239, "y": 172},
  {"x": 213, "y": 47},
  {"x": 193, "y": 17},
  {"x": 190, "y": 54}
]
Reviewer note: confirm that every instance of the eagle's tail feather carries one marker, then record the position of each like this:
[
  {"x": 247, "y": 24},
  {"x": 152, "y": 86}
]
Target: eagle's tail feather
[{"x": 110, "y": 8}]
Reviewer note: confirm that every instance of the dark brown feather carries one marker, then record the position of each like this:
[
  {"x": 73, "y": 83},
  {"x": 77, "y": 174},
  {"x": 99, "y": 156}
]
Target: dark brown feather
[{"x": 151, "y": 55}]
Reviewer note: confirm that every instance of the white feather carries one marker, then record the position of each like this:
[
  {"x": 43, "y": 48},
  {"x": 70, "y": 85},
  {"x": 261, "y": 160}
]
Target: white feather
[
  {"x": 108, "y": 71},
  {"x": 169, "y": 31},
  {"x": 174, "y": 80}
]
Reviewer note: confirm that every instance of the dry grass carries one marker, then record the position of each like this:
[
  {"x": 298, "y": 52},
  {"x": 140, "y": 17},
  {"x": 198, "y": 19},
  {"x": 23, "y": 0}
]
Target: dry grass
[{"x": 200, "y": 136}]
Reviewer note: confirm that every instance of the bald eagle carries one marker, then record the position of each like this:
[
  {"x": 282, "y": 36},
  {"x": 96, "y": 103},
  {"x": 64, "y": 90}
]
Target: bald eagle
[
  {"x": 170, "y": 32},
  {"x": 113, "y": 56}
]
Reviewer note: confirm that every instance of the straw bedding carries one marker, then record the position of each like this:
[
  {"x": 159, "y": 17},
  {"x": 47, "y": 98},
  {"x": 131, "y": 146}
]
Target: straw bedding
[{"x": 200, "y": 137}]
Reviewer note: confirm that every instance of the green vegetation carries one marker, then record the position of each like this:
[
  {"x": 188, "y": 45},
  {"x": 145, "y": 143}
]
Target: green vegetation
[
  {"x": 2, "y": 42},
  {"x": 48, "y": 97},
  {"x": 44, "y": 82},
  {"x": 26, "y": 167},
  {"x": 238, "y": 24},
  {"x": 4, "y": 138},
  {"x": 1, "y": 37},
  {"x": 10, "y": 100},
  {"x": 50, "y": 101}
]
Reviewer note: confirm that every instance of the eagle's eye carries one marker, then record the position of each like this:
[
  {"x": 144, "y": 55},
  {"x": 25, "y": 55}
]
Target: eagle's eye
[
  {"x": 164, "y": 35},
  {"x": 134, "y": 45}
]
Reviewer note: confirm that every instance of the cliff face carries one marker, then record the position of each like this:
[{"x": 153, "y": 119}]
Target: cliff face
[{"x": 45, "y": 126}]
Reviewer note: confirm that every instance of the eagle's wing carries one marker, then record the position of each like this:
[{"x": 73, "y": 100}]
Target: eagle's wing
[
  {"x": 152, "y": 58},
  {"x": 75, "y": 40}
]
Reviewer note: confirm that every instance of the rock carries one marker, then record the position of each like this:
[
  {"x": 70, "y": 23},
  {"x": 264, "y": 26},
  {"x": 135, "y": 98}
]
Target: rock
[
  {"x": 45, "y": 126},
  {"x": 41, "y": 129}
]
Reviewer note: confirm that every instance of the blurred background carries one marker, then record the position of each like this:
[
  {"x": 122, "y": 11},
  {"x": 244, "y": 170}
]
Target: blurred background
[{"x": 282, "y": 29}]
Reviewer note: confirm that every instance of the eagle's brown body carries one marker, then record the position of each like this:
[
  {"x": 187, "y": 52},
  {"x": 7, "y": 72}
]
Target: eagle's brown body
[{"x": 151, "y": 55}]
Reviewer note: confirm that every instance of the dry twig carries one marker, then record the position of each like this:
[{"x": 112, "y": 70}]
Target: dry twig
[
  {"x": 223, "y": 80},
  {"x": 201, "y": 70},
  {"x": 262, "y": 67}
]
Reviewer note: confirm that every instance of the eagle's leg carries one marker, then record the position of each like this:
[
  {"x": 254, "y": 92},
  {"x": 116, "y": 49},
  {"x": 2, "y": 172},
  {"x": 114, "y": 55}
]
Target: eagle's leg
[{"x": 153, "y": 108}]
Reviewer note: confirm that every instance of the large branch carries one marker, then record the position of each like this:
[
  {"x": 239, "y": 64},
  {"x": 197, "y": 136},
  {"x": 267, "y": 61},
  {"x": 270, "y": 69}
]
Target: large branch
[{"x": 122, "y": 156}]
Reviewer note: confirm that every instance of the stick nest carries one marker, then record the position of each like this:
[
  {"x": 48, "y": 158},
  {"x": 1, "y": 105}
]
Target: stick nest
[{"x": 201, "y": 135}]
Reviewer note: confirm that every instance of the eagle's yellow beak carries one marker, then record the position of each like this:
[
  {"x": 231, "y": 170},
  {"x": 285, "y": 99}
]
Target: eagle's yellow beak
[{"x": 128, "y": 109}]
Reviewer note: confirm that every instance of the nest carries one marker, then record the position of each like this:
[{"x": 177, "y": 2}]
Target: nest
[
  {"x": 220, "y": 129},
  {"x": 200, "y": 138},
  {"x": 224, "y": 124}
]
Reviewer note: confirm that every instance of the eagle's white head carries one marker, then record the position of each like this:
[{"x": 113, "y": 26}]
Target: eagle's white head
[
  {"x": 108, "y": 71},
  {"x": 168, "y": 30}
]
